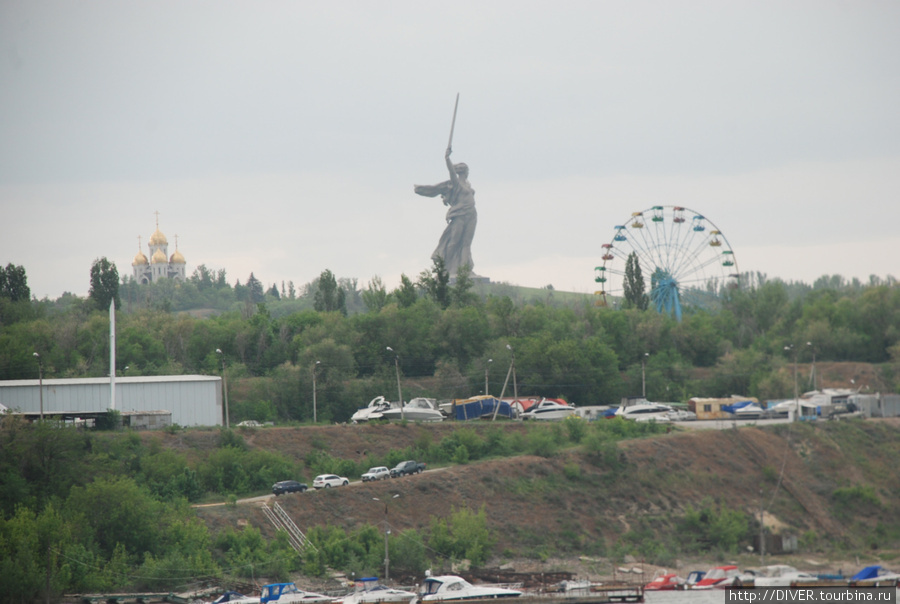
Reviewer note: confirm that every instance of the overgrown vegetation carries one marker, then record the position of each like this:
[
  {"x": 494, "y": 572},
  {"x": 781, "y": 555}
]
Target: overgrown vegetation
[
  {"x": 112, "y": 510},
  {"x": 564, "y": 345}
]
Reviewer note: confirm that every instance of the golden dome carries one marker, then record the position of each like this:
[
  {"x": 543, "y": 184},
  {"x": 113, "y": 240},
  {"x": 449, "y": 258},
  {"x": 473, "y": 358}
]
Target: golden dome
[
  {"x": 177, "y": 258},
  {"x": 158, "y": 257},
  {"x": 158, "y": 238},
  {"x": 139, "y": 259}
]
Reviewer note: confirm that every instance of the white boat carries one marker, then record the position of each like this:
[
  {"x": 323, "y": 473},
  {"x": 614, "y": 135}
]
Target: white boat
[
  {"x": 549, "y": 410},
  {"x": 419, "y": 409},
  {"x": 233, "y": 597},
  {"x": 288, "y": 593},
  {"x": 646, "y": 412},
  {"x": 451, "y": 587},
  {"x": 781, "y": 575},
  {"x": 372, "y": 411},
  {"x": 751, "y": 411},
  {"x": 370, "y": 591}
]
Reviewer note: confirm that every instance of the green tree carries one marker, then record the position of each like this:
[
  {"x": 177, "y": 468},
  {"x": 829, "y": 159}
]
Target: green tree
[
  {"x": 202, "y": 277},
  {"x": 465, "y": 535},
  {"x": 14, "y": 283},
  {"x": 634, "y": 288},
  {"x": 329, "y": 296},
  {"x": 104, "y": 284},
  {"x": 406, "y": 294},
  {"x": 436, "y": 283},
  {"x": 255, "y": 290},
  {"x": 461, "y": 294},
  {"x": 375, "y": 296}
]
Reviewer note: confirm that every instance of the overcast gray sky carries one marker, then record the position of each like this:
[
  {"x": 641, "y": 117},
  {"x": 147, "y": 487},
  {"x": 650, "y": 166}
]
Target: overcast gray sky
[{"x": 284, "y": 137}]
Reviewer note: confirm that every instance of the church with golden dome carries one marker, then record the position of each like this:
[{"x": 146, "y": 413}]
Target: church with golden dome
[{"x": 161, "y": 265}]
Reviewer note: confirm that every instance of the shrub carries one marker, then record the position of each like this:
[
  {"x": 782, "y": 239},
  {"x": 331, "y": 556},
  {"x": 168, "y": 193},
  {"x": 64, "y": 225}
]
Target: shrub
[
  {"x": 856, "y": 498},
  {"x": 576, "y": 427},
  {"x": 713, "y": 527},
  {"x": 461, "y": 455},
  {"x": 541, "y": 442}
]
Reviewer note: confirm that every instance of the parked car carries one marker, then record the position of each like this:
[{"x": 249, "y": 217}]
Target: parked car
[
  {"x": 407, "y": 467},
  {"x": 376, "y": 473},
  {"x": 288, "y": 486},
  {"x": 325, "y": 481},
  {"x": 249, "y": 423}
]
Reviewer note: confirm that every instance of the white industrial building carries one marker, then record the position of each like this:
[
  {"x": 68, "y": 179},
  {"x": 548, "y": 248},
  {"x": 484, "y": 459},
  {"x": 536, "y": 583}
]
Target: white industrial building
[{"x": 193, "y": 400}]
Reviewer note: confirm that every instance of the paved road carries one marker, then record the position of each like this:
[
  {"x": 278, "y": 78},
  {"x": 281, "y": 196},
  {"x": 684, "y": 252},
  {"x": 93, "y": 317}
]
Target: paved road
[
  {"x": 263, "y": 499},
  {"x": 724, "y": 424}
]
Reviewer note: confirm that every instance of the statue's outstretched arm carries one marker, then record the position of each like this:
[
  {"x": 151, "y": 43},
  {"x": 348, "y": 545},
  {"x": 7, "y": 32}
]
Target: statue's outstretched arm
[{"x": 454, "y": 179}]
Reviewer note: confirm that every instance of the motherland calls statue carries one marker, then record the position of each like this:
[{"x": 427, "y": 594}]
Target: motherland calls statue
[{"x": 455, "y": 246}]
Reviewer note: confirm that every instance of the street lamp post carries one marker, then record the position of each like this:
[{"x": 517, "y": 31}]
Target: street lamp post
[
  {"x": 399, "y": 391},
  {"x": 796, "y": 393},
  {"x": 486, "y": 365},
  {"x": 40, "y": 382},
  {"x": 512, "y": 366},
  {"x": 315, "y": 366},
  {"x": 814, "y": 376},
  {"x": 644, "y": 375},
  {"x": 387, "y": 532},
  {"x": 224, "y": 387}
]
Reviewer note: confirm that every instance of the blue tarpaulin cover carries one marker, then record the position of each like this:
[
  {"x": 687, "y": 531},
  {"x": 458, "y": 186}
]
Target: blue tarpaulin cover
[
  {"x": 480, "y": 406},
  {"x": 869, "y": 572}
]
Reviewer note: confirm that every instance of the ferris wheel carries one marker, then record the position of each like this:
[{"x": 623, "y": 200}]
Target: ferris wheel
[{"x": 683, "y": 257}]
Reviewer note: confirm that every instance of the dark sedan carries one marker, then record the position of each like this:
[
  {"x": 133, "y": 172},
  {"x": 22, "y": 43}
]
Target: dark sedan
[{"x": 288, "y": 486}]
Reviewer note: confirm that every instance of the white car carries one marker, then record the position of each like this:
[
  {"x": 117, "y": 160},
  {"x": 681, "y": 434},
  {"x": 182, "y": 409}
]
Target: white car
[
  {"x": 376, "y": 473},
  {"x": 325, "y": 481}
]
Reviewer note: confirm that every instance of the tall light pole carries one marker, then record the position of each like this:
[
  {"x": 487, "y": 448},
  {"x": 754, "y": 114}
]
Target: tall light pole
[
  {"x": 387, "y": 532},
  {"x": 512, "y": 367},
  {"x": 486, "y": 365},
  {"x": 814, "y": 376},
  {"x": 399, "y": 391},
  {"x": 510, "y": 372},
  {"x": 644, "y": 375},
  {"x": 224, "y": 387},
  {"x": 315, "y": 366},
  {"x": 40, "y": 382},
  {"x": 796, "y": 393}
]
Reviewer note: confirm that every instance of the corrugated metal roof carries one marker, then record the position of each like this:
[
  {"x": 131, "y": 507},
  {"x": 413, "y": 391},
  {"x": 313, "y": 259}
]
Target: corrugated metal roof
[{"x": 144, "y": 379}]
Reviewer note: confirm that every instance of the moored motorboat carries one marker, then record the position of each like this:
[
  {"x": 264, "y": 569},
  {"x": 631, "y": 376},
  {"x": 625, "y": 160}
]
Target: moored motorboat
[
  {"x": 876, "y": 575},
  {"x": 646, "y": 411},
  {"x": 451, "y": 587},
  {"x": 372, "y": 411},
  {"x": 288, "y": 593},
  {"x": 419, "y": 409},
  {"x": 549, "y": 409},
  {"x": 370, "y": 591},
  {"x": 781, "y": 575},
  {"x": 665, "y": 582},
  {"x": 719, "y": 577},
  {"x": 233, "y": 597}
]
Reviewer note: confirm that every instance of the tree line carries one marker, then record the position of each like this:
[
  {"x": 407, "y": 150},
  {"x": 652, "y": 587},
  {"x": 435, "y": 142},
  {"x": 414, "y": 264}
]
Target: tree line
[{"x": 449, "y": 338}]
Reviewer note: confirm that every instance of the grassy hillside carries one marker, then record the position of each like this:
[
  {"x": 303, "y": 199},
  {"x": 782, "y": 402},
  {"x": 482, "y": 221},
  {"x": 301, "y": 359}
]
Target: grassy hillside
[{"x": 834, "y": 485}]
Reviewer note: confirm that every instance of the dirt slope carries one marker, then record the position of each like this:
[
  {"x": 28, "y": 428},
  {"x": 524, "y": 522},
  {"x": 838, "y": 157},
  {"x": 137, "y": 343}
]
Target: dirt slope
[{"x": 572, "y": 505}]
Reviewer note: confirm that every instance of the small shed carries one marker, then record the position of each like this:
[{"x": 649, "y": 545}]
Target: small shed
[
  {"x": 713, "y": 408},
  {"x": 877, "y": 405}
]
